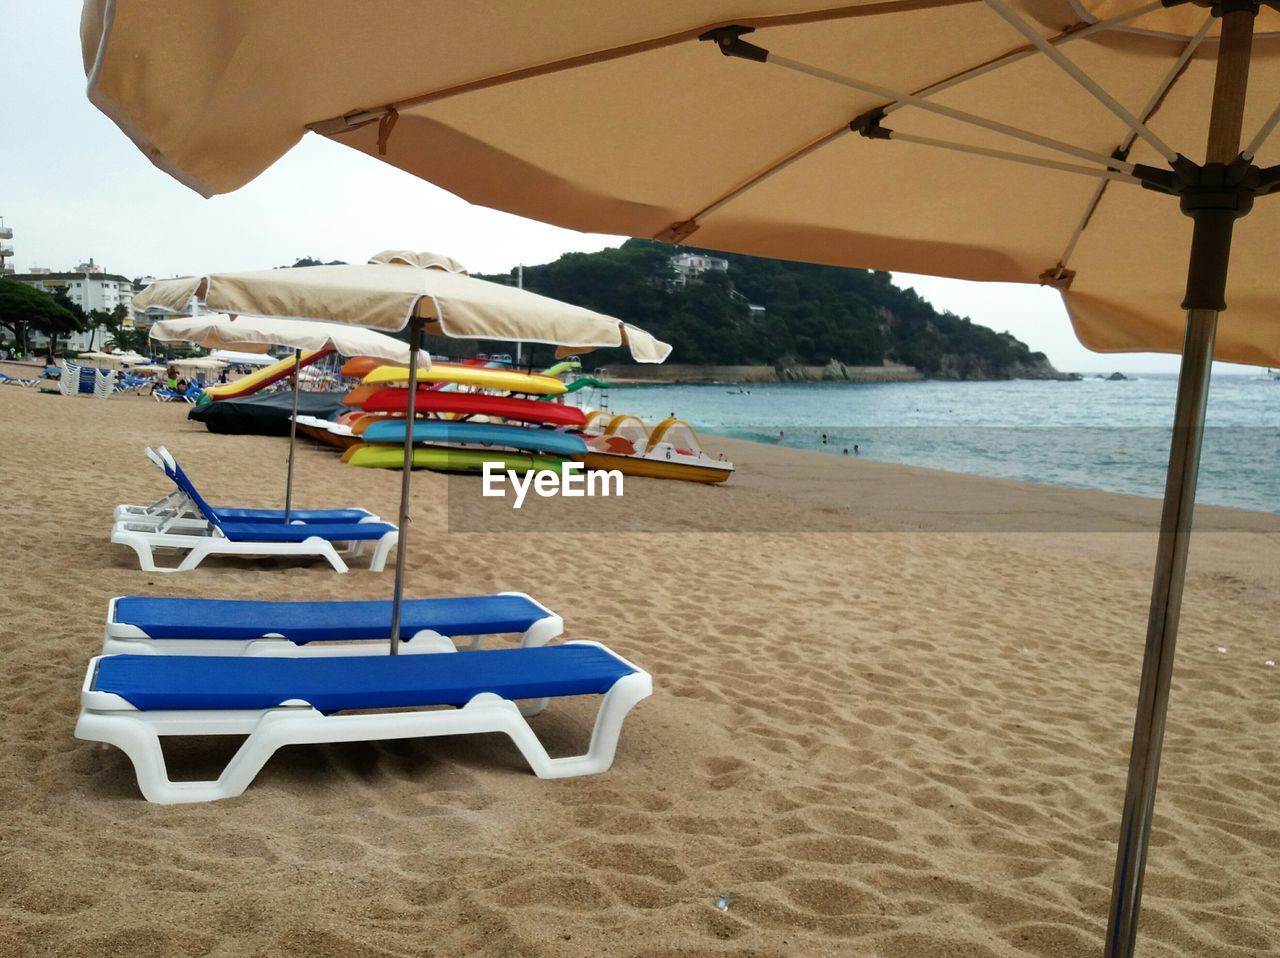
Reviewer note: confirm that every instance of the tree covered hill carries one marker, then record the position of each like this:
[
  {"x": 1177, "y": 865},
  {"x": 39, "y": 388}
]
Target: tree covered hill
[{"x": 812, "y": 314}]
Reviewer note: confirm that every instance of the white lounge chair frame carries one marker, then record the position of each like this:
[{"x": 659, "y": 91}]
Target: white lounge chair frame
[
  {"x": 203, "y": 540},
  {"x": 106, "y": 717},
  {"x": 121, "y": 638},
  {"x": 69, "y": 382}
]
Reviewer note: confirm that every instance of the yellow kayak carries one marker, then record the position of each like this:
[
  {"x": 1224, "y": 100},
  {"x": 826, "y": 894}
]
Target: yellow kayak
[{"x": 482, "y": 378}]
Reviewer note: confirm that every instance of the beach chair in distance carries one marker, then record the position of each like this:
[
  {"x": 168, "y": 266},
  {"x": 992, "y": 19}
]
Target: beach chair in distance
[
  {"x": 130, "y": 701},
  {"x": 157, "y": 626},
  {"x": 180, "y": 505},
  {"x": 213, "y": 535},
  {"x": 7, "y": 380}
]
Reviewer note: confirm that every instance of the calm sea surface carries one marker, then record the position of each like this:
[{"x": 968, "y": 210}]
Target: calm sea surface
[{"x": 1092, "y": 434}]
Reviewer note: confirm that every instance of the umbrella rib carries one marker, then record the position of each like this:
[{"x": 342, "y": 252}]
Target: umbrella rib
[
  {"x": 360, "y": 117},
  {"x": 911, "y": 99},
  {"x": 1073, "y": 71},
  {"x": 679, "y": 231},
  {"x": 1078, "y": 32},
  {"x": 1148, "y": 111},
  {"x": 1014, "y": 157},
  {"x": 1268, "y": 128}
]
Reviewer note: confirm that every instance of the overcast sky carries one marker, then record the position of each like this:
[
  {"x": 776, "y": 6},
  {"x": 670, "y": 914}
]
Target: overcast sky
[{"x": 72, "y": 187}]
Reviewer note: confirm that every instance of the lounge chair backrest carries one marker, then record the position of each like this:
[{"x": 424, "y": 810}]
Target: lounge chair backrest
[
  {"x": 186, "y": 485},
  {"x": 155, "y": 457}
]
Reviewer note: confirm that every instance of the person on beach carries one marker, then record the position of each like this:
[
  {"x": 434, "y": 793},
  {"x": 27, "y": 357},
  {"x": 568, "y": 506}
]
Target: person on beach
[
  {"x": 824, "y": 438},
  {"x": 855, "y": 449}
]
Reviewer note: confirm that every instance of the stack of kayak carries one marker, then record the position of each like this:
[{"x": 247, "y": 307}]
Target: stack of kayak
[
  {"x": 482, "y": 411},
  {"x": 470, "y": 414}
]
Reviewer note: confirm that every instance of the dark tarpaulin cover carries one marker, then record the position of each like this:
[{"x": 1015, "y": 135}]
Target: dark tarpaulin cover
[{"x": 266, "y": 415}]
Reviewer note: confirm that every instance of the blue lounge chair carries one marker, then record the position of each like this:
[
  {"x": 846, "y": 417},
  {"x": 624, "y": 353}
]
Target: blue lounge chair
[
  {"x": 131, "y": 700},
  {"x": 137, "y": 624},
  {"x": 214, "y": 535},
  {"x": 7, "y": 380},
  {"x": 181, "y": 504}
]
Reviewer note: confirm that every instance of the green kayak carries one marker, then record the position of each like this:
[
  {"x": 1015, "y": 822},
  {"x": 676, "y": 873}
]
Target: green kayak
[{"x": 447, "y": 459}]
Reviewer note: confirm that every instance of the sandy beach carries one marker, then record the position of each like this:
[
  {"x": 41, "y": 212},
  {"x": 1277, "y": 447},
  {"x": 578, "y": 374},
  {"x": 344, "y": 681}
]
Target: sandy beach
[{"x": 891, "y": 717}]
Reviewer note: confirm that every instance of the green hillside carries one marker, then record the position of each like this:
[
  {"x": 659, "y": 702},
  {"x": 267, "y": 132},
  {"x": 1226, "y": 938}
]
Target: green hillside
[{"x": 812, "y": 314}]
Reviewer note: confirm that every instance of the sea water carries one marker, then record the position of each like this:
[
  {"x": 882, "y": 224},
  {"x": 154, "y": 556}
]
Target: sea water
[{"x": 1093, "y": 434}]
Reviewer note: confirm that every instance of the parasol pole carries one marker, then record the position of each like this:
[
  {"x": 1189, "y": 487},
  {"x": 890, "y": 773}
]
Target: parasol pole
[
  {"x": 293, "y": 435},
  {"x": 415, "y": 336},
  {"x": 519, "y": 344},
  {"x": 1214, "y": 212}
]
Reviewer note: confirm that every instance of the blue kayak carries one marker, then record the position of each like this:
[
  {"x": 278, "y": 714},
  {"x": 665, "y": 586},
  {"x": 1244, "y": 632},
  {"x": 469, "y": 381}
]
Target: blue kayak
[{"x": 482, "y": 433}]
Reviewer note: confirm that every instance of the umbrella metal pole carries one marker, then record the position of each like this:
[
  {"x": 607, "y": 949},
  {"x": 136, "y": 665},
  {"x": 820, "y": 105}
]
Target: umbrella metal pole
[
  {"x": 1206, "y": 285},
  {"x": 415, "y": 336},
  {"x": 293, "y": 435}
]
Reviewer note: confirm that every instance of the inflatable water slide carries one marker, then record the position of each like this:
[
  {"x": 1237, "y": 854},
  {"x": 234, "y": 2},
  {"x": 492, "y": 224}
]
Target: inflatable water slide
[{"x": 264, "y": 377}]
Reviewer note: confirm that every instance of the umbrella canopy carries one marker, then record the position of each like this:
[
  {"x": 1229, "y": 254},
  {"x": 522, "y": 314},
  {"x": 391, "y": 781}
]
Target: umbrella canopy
[
  {"x": 218, "y": 331},
  {"x": 244, "y": 358},
  {"x": 394, "y": 287},
  {"x": 114, "y": 360},
  {"x": 96, "y": 357},
  {"x": 760, "y": 158},
  {"x": 198, "y": 363}
]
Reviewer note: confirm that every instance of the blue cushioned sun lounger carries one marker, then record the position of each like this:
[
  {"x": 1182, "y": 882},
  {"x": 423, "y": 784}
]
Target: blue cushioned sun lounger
[
  {"x": 214, "y": 536},
  {"x": 189, "y": 502},
  {"x": 243, "y": 627},
  {"x": 131, "y": 700}
]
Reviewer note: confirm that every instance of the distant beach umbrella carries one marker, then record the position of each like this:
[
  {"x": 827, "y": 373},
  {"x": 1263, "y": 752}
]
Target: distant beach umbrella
[
  {"x": 201, "y": 363},
  {"x": 97, "y": 359},
  {"x": 396, "y": 287},
  {"x": 1050, "y": 141},
  {"x": 130, "y": 357}
]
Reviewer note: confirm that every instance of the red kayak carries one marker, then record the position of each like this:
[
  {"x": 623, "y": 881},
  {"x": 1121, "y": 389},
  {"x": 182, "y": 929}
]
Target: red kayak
[{"x": 390, "y": 399}]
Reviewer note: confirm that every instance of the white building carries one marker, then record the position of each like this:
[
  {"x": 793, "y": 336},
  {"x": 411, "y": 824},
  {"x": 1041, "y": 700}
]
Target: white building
[
  {"x": 90, "y": 288},
  {"x": 6, "y": 249},
  {"x": 689, "y": 266}
]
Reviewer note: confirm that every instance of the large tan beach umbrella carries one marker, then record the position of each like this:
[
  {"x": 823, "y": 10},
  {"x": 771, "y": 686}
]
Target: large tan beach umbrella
[
  {"x": 394, "y": 290},
  {"x": 396, "y": 287},
  {"x": 259, "y": 333},
  {"x": 1051, "y": 141}
]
